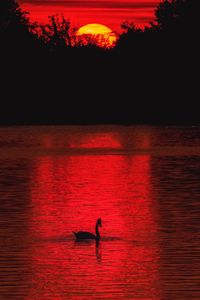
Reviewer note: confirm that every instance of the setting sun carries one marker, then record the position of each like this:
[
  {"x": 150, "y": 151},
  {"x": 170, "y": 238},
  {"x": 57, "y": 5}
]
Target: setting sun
[{"x": 97, "y": 34}]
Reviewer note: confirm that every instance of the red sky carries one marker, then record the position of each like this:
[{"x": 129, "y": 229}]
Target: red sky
[{"x": 80, "y": 12}]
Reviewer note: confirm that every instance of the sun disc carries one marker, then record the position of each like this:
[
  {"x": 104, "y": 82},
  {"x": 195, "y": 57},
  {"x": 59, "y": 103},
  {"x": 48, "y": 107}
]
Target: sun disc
[{"x": 100, "y": 33}]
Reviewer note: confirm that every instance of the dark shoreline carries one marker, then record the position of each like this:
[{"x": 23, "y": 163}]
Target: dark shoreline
[
  {"x": 191, "y": 124},
  {"x": 148, "y": 78}
]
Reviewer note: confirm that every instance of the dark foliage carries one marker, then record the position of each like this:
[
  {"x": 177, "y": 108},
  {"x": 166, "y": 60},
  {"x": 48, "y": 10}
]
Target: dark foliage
[
  {"x": 177, "y": 16},
  {"x": 16, "y": 32}
]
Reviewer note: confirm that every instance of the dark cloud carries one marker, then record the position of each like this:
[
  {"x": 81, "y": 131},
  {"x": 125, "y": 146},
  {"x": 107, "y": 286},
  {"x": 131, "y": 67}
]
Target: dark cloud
[{"x": 92, "y": 3}]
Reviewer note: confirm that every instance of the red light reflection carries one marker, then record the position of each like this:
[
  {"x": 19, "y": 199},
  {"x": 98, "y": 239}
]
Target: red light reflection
[
  {"x": 70, "y": 193},
  {"x": 104, "y": 140}
]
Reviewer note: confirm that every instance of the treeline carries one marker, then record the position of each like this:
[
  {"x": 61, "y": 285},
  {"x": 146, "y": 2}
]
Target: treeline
[
  {"x": 175, "y": 23},
  {"x": 50, "y": 76}
]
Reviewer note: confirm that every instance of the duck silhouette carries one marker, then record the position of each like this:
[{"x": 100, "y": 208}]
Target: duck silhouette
[{"x": 85, "y": 235}]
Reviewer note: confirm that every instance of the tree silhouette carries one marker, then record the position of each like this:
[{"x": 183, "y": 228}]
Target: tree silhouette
[
  {"x": 156, "y": 62},
  {"x": 94, "y": 41},
  {"x": 129, "y": 36},
  {"x": 177, "y": 15},
  {"x": 15, "y": 28},
  {"x": 58, "y": 33}
]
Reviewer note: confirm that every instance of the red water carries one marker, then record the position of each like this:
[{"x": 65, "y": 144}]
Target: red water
[{"x": 58, "y": 180}]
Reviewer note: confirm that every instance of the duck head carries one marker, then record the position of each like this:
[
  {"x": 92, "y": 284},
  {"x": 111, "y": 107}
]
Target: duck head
[{"x": 99, "y": 222}]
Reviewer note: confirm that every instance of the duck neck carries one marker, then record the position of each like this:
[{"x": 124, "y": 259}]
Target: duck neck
[{"x": 97, "y": 231}]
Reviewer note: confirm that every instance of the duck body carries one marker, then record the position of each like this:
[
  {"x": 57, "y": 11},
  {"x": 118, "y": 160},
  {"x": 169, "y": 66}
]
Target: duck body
[
  {"x": 82, "y": 235},
  {"x": 85, "y": 235}
]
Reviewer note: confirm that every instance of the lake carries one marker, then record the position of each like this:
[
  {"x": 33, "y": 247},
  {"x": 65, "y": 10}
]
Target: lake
[{"x": 142, "y": 181}]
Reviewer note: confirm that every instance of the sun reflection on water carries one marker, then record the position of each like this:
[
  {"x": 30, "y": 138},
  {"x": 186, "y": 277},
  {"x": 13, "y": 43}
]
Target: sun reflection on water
[{"x": 69, "y": 193}]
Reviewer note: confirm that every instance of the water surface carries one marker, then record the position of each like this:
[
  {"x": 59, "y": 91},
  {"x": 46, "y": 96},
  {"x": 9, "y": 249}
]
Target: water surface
[{"x": 142, "y": 181}]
